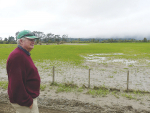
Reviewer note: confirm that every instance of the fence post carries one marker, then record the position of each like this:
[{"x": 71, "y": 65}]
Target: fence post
[
  {"x": 53, "y": 74},
  {"x": 135, "y": 73},
  {"x": 127, "y": 80},
  {"x": 89, "y": 79}
]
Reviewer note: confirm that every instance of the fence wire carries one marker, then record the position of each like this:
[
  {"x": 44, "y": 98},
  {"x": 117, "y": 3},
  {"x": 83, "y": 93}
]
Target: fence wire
[{"x": 106, "y": 76}]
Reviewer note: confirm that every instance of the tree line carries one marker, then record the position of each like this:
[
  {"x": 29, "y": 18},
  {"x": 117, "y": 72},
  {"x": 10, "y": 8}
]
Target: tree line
[
  {"x": 52, "y": 38},
  {"x": 107, "y": 40},
  {"x": 43, "y": 38}
]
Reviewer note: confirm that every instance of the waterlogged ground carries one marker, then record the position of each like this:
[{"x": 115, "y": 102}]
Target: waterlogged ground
[
  {"x": 112, "y": 71},
  {"x": 106, "y": 70}
]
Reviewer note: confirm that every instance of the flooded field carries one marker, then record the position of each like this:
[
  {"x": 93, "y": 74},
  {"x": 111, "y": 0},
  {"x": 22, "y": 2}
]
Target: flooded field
[{"x": 105, "y": 70}]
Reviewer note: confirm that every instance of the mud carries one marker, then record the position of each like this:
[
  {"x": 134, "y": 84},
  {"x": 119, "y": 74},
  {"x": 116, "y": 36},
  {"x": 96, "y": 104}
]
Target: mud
[
  {"x": 7, "y": 108},
  {"x": 65, "y": 105}
]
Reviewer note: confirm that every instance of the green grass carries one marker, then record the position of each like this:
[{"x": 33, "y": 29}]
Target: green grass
[
  {"x": 115, "y": 93},
  {"x": 129, "y": 96},
  {"x": 99, "y": 92},
  {"x": 66, "y": 87},
  {"x": 110, "y": 76},
  {"x": 74, "y": 53},
  {"x": 96, "y": 91},
  {"x": 63, "y": 89},
  {"x": 5, "y": 50},
  {"x": 4, "y": 84},
  {"x": 42, "y": 87},
  {"x": 80, "y": 89},
  {"x": 115, "y": 72}
]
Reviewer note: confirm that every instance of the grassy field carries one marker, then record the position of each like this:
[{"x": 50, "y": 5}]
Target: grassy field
[{"x": 74, "y": 53}]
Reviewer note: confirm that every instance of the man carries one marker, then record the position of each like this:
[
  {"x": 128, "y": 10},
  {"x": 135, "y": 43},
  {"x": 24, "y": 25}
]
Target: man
[{"x": 23, "y": 76}]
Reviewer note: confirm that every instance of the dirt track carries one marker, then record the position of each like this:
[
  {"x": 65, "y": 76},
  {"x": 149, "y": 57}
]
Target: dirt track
[
  {"x": 64, "y": 105},
  {"x": 7, "y": 108}
]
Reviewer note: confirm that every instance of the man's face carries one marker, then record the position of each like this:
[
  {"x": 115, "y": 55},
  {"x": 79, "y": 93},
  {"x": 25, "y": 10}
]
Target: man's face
[{"x": 28, "y": 44}]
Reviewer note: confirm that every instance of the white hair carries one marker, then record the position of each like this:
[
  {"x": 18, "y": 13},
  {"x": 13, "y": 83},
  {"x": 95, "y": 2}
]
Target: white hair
[{"x": 18, "y": 41}]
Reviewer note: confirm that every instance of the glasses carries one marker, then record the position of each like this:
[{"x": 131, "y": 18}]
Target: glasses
[
  {"x": 29, "y": 34},
  {"x": 31, "y": 40}
]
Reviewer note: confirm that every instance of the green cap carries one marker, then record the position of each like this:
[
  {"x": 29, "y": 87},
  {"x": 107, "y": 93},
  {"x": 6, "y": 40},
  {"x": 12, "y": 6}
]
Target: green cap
[{"x": 26, "y": 33}]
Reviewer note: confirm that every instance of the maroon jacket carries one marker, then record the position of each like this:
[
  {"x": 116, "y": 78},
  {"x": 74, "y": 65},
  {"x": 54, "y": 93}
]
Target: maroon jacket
[{"x": 23, "y": 78}]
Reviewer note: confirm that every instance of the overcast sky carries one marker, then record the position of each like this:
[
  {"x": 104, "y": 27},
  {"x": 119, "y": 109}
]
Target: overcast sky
[{"x": 76, "y": 18}]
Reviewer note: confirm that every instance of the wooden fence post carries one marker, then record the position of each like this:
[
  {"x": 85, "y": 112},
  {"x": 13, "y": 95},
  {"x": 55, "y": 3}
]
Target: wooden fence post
[
  {"x": 89, "y": 79},
  {"x": 135, "y": 73},
  {"x": 127, "y": 80},
  {"x": 53, "y": 74}
]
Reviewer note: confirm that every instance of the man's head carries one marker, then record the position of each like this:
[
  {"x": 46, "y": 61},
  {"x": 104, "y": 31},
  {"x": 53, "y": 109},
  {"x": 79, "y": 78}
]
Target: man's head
[
  {"x": 26, "y": 39},
  {"x": 26, "y": 33}
]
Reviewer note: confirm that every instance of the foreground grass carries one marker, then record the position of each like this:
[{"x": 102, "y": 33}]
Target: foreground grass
[
  {"x": 66, "y": 87},
  {"x": 96, "y": 91},
  {"x": 4, "y": 84}
]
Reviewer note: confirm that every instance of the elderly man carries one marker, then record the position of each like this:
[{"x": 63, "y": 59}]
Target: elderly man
[{"x": 23, "y": 76}]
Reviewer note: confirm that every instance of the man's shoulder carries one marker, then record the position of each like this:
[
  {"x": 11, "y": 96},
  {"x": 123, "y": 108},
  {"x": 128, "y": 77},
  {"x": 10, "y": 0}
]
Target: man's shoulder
[{"x": 16, "y": 53}]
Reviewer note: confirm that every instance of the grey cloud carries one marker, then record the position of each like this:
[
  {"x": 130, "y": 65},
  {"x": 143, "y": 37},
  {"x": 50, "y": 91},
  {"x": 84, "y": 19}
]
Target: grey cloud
[{"x": 86, "y": 18}]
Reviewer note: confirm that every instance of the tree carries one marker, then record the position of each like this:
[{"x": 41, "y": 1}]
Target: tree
[
  {"x": 1, "y": 42},
  {"x": 64, "y": 37},
  {"x": 111, "y": 40},
  {"x": 145, "y": 39},
  {"x": 40, "y": 35},
  {"x": 78, "y": 40},
  {"x": 49, "y": 37},
  {"x": 5, "y": 39},
  {"x": 37, "y": 41},
  {"x": 16, "y": 35},
  {"x": 57, "y": 38},
  {"x": 11, "y": 38}
]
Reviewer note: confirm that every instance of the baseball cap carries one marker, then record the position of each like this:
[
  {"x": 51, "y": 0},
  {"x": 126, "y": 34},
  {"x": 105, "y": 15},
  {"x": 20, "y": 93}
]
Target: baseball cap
[{"x": 26, "y": 33}]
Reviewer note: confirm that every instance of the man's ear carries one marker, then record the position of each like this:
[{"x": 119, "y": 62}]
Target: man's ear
[{"x": 21, "y": 41}]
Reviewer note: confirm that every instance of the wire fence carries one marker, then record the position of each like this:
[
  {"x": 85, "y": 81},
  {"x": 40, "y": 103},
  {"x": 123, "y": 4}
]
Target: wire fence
[{"x": 122, "y": 79}]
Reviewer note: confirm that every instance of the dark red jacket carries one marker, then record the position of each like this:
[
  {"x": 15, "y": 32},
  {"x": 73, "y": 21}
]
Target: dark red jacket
[{"x": 23, "y": 78}]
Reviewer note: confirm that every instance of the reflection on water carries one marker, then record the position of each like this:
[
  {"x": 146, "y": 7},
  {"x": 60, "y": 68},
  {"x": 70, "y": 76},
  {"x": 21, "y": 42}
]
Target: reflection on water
[
  {"x": 106, "y": 54},
  {"x": 127, "y": 62},
  {"x": 98, "y": 59}
]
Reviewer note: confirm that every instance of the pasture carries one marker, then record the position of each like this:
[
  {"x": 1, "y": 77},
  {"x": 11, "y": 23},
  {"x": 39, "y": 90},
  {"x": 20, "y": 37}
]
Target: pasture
[
  {"x": 74, "y": 53},
  {"x": 109, "y": 63}
]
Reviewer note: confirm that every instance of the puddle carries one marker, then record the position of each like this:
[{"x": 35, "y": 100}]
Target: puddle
[
  {"x": 148, "y": 61},
  {"x": 98, "y": 59},
  {"x": 108, "y": 54},
  {"x": 127, "y": 62}
]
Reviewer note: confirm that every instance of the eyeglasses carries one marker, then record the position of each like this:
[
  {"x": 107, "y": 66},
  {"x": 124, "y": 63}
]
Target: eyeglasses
[
  {"x": 32, "y": 40},
  {"x": 29, "y": 34}
]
